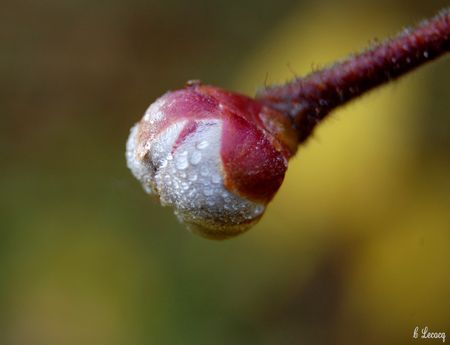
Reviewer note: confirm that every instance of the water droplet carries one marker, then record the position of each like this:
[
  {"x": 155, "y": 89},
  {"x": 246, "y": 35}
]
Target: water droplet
[
  {"x": 202, "y": 145},
  {"x": 248, "y": 216},
  {"x": 164, "y": 200},
  {"x": 204, "y": 171},
  {"x": 196, "y": 157},
  {"x": 192, "y": 177},
  {"x": 191, "y": 193},
  {"x": 181, "y": 162},
  {"x": 208, "y": 191},
  {"x": 425, "y": 54},
  {"x": 258, "y": 210},
  {"x": 215, "y": 178},
  {"x": 147, "y": 189},
  {"x": 167, "y": 180}
]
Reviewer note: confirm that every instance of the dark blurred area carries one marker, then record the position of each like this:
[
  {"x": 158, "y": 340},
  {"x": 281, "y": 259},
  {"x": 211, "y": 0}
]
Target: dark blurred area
[{"x": 353, "y": 250}]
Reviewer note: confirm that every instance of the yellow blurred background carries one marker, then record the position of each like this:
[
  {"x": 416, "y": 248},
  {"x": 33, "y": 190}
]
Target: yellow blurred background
[{"x": 354, "y": 249}]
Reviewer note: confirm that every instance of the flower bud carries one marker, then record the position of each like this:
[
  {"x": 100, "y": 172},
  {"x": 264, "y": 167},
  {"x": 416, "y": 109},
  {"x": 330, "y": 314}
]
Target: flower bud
[{"x": 217, "y": 157}]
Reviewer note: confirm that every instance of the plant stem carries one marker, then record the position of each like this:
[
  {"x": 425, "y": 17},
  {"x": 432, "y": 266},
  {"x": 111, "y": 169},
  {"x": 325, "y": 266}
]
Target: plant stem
[{"x": 308, "y": 100}]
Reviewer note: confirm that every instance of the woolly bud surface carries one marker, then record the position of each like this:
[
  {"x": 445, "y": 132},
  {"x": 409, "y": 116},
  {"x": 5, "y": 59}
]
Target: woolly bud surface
[{"x": 216, "y": 157}]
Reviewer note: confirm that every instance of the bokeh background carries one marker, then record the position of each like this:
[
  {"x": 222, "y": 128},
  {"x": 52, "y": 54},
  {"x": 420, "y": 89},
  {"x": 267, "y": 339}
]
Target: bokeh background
[{"x": 354, "y": 249}]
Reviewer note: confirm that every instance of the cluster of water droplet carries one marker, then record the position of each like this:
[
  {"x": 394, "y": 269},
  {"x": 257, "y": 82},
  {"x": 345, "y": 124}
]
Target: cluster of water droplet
[
  {"x": 189, "y": 176},
  {"x": 191, "y": 179},
  {"x": 140, "y": 166}
]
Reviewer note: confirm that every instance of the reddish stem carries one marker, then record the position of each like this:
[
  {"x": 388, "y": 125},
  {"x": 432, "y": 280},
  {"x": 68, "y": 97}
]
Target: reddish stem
[{"x": 308, "y": 100}]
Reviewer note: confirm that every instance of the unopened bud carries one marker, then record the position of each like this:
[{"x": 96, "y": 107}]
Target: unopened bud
[{"x": 217, "y": 157}]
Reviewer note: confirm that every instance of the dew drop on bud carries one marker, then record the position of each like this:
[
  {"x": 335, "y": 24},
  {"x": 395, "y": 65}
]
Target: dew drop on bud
[
  {"x": 202, "y": 145},
  {"x": 196, "y": 157},
  {"x": 181, "y": 162}
]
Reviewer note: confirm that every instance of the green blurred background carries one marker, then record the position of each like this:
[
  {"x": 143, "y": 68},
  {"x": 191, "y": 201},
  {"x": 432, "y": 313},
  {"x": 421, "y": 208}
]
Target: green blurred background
[{"x": 354, "y": 249}]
